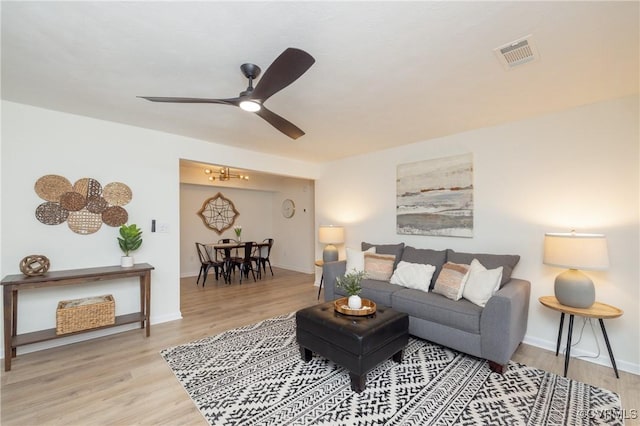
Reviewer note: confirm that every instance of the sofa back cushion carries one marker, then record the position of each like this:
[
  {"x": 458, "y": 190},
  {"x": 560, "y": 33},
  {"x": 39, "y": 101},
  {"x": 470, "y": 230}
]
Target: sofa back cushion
[
  {"x": 394, "y": 249},
  {"x": 436, "y": 258},
  {"x": 489, "y": 261}
]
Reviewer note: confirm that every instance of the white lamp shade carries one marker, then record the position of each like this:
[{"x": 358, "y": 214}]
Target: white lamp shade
[
  {"x": 331, "y": 234},
  {"x": 576, "y": 251}
]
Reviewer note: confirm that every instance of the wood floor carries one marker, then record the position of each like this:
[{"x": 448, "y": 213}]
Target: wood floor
[{"x": 122, "y": 380}]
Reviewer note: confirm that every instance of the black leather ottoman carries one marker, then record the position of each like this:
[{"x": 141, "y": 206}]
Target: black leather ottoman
[{"x": 356, "y": 343}]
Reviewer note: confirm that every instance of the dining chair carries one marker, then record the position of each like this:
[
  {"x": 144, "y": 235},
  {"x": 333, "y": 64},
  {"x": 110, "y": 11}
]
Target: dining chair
[
  {"x": 265, "y": 252},
  {"x": 207, "y": 263},
  {"x": 245, "y": 263}
]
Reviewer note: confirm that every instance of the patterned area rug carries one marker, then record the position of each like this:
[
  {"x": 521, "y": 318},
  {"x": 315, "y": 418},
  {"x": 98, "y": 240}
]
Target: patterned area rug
[{"x": 254, "y": 375}]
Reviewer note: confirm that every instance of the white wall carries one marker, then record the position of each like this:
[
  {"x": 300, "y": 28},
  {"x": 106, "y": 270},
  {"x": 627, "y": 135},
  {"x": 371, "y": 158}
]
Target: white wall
[
  {"x": 36, "y": 142},
  {"x": 576, "y": 169}
]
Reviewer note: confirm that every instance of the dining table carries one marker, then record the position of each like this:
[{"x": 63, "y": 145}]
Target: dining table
[{"x": 214, "y": 248}]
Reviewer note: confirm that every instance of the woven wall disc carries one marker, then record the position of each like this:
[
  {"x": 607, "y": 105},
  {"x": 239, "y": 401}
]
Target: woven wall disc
[
  {"x": 88, "y": 187},
  {"x": 115, "y": 216},
  {"x": 34, "y": 265},
  {"x": 51, "y": 187},
  {"x": 72, "y": 201},
  {"x": 96, "y": 204},
  {"x": 117, "y": 193},
  {"x": 84, "y": 222},
  {"x": 51, "y": 213}
]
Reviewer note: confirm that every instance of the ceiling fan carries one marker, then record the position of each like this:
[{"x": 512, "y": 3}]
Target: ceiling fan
[{"x": 286, "y": 69}]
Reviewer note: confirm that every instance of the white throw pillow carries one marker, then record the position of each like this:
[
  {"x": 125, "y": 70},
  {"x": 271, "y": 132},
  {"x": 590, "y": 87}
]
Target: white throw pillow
[
  {"x": 413, "y": 275},
  {"x": 481, "y": 283},
  {"x": 355, "y": 259}
]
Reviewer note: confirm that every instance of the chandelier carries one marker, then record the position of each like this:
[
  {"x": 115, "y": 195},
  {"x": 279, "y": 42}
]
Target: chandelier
[{"x": 224, "y": 174}]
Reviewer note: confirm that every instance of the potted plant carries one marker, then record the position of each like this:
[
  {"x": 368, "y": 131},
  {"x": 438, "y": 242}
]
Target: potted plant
[
  {"x": 130, "y": 239},
  {"x": 351, "y": 284},
  {"x": 238, "y": 230}
]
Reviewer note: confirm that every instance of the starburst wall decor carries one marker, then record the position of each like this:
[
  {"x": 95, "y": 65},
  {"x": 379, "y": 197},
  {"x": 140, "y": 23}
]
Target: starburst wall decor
[{"x": 218, "y": 213}]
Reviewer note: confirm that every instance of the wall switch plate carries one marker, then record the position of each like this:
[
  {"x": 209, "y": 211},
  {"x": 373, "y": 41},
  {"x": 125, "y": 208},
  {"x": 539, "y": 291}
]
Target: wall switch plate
[{"x": 162, "y": 227}]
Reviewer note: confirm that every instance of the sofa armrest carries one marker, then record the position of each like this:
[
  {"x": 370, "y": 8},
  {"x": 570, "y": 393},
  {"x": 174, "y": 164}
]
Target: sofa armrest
[
  {"x": 331, "y": 271},
  {"x": 503, "y": 322}
]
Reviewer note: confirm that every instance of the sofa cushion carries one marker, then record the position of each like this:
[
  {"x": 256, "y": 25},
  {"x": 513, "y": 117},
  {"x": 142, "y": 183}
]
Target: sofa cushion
[
  {"x": 451, "y": 280},
  {"x": 378, "y": 266},
  {"x": 395, "y": 249},
  {"x": 436, "y": 258},
  {"x": 481, "y": 283},
  {"x": 490, "y": 261},
  {"x": 460, "y": 314},
  {"x": 413, "y": 275},
  {"x": 355, "y": 259},
  {"x": 378, "y": 291}
]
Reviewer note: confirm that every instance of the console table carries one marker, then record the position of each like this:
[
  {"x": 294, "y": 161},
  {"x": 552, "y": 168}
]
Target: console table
[{"x": 13, "y": 283}]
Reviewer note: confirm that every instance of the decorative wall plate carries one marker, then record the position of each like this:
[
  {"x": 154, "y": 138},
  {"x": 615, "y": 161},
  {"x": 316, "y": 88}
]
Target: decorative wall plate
[{"x": 218, "y": 213}]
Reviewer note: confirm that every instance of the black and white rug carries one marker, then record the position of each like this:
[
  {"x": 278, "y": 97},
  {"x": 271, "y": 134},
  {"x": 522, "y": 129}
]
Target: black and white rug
[{"x": 254, "y": 375}]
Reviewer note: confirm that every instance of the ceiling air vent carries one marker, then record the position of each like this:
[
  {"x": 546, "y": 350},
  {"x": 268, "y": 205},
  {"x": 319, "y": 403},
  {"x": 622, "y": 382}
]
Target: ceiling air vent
[{"x": 517, "y": 52}]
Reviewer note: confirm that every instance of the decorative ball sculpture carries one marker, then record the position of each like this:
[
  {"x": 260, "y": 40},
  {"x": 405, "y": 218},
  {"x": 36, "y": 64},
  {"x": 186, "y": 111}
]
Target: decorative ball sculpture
[{"x": 34, "y": 265}]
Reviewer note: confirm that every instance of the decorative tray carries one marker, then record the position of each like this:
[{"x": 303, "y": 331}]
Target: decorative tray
[{"x": 342, "y": 306}]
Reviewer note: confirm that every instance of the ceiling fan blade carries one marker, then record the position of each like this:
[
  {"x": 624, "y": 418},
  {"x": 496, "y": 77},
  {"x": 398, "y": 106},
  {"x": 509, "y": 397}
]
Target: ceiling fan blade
[
  {"x": 280, "y": 123},
  {"x": 286, "y": 69},
  {"x": 230, "y": 101}
]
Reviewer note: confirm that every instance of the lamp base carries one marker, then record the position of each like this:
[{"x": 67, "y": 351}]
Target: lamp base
[
  {"x": 330, "y": 253},
  {"x": 575, "y": 289}
]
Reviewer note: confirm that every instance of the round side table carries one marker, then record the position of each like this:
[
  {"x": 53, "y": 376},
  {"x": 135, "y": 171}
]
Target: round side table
[{"x": 598, "y": 310}]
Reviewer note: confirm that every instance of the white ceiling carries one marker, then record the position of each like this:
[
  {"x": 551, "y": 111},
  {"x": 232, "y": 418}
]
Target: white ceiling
[{"x": 386, "y": 73}]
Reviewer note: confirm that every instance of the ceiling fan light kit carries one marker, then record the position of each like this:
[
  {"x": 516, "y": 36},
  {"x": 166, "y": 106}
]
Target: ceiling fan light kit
[
  {"x": 286, "y": 69},
  {"x": 250, "y": 106}
]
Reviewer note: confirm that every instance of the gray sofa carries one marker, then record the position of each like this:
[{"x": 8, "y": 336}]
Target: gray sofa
[{"x": 493, "y": 332}]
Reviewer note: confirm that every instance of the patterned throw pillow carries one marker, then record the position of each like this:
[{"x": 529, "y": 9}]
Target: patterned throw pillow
[
  {"x": 379, "y": 266},
  {"x": 451, "y": 281}
]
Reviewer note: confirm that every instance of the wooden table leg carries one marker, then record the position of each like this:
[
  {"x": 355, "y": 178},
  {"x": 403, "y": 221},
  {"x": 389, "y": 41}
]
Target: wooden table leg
[
  {"x": 567, "y": 354},
  {"x": 9, "y": 326},
  {"x": 560, "y": 333},
  {"x": 142, "y": 301},
  {"x": 147, "y": 301},
  {"x": 606, "y": 339}
]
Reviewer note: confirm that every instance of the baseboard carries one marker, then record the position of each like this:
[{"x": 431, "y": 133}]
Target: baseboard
[{"x": 603, "y": 359}]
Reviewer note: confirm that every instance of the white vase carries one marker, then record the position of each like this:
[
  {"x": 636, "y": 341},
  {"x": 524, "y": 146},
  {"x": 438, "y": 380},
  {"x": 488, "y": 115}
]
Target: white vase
[
  {"x": 126, "y": 261},
  {"x": 355, "y": 302}
]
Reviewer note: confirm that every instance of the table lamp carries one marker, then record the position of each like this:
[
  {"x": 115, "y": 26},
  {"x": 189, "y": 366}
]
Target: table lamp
[
  {"x": 330, "y": 235},
  {"x": 575, "y": 251}
]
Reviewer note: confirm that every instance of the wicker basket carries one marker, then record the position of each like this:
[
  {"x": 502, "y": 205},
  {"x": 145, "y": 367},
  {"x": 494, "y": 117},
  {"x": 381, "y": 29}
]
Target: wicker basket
[{"x": 83, "y": 314}]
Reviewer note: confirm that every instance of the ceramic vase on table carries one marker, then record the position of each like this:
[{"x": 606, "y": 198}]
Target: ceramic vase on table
[
  {"x": 126, "y": 261},
  {"x": 355, "y": 302}
]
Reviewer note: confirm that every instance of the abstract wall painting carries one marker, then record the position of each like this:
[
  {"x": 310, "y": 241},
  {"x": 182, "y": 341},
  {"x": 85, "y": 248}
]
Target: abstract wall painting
[{"x": 435, "y": 197}]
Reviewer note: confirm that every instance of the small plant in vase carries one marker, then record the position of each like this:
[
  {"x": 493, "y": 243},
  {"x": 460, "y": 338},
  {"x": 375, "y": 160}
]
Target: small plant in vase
[
  {"x": 350, "y": 283},
  {"x": 238, "y": 230},
  {"x": 130, "y": 239}
]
